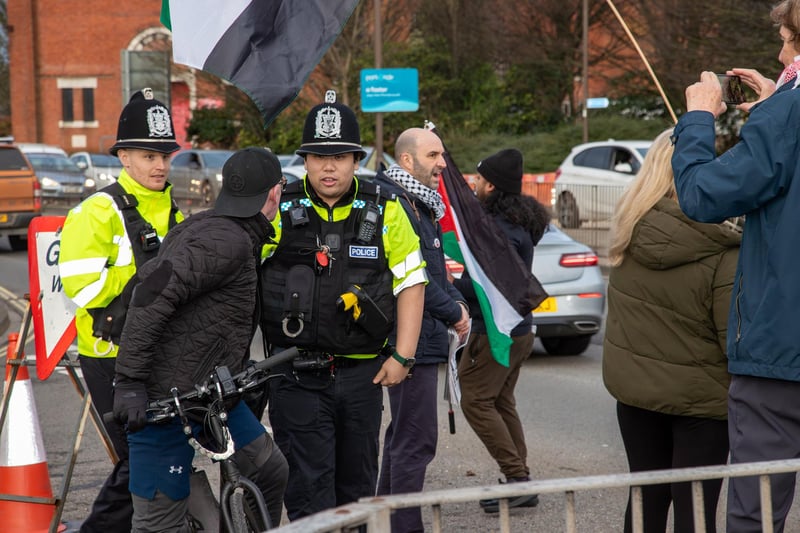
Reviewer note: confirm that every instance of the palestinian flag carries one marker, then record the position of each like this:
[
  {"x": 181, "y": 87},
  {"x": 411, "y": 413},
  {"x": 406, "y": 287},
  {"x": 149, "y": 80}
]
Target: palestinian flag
[
  {"x": 267, "y": 48},
  {"x": 507, "y": 290}
]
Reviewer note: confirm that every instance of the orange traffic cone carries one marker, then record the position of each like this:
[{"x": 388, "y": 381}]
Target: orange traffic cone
[{"x": 23, "y": 465}]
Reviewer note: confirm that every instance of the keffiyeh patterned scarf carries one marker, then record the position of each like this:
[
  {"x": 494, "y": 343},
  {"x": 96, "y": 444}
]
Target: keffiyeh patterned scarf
[
  {"x": 789, "y": 74},
  {"x": 428, "y": 196}
]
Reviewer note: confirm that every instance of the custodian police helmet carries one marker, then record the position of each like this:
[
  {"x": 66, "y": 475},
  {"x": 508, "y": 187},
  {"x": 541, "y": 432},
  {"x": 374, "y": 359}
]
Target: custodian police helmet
[
  {"x": 331, "y": 128},
  {"x": 145, "y": 123}
]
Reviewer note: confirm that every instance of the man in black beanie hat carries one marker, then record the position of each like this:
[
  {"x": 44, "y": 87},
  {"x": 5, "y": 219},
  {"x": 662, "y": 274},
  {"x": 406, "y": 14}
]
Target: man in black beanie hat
[
  {"x": 487, "y": 387},
  {"x": 194, "y": 310},
  {"x": 346, "y": 263},
  {"x": 105, "y": 240}
]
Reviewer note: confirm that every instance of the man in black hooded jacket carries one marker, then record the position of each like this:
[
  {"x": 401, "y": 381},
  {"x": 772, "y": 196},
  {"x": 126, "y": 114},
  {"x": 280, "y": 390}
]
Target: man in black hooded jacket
[{"x": 195, "y": 309}]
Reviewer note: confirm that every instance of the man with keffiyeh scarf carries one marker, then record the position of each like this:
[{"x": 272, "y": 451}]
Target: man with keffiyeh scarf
[{"x": 410, "y": 440}]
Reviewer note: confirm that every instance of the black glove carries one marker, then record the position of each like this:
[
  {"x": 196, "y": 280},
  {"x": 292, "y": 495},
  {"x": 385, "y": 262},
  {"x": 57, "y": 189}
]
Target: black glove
[{"x": 130, "y": 404}]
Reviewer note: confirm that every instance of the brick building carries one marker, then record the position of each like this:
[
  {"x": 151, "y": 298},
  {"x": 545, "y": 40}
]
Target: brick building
[{"x": 66, "y": 66}]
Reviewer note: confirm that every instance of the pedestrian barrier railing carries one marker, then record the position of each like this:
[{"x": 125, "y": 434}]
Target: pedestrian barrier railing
[{"x": 375, "y": 512}]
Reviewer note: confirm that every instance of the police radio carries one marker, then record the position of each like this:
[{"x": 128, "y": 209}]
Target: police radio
[{"x": 370, "y": 215}]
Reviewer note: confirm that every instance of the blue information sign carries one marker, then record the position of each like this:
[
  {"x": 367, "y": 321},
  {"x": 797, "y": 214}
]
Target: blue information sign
[{"x": 389, "y": 89}]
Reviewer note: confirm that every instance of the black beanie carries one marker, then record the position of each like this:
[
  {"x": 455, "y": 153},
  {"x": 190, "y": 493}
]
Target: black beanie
[{"x": 503, "y": 170}]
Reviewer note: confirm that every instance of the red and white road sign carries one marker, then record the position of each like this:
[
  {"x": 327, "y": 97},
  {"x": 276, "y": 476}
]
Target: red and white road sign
[{"x": 53, "y": 313}]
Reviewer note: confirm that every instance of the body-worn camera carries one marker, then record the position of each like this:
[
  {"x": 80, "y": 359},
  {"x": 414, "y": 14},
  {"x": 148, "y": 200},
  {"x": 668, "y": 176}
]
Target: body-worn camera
[
  {"x": 298, "y": 215},
  {"x": 732, "y": 89},
  {"x": 149, "y": 238}
]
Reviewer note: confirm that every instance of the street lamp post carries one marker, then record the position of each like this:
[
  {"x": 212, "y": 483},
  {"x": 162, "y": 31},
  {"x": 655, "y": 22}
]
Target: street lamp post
[
  {"x": 378, "y": 64},
  {"x": 585, "y": 75}
]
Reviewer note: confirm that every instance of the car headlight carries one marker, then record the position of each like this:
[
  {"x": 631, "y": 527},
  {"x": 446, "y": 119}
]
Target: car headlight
[
  {"x": 89, "y": 183},
  {"x": 50, "y": 183}
]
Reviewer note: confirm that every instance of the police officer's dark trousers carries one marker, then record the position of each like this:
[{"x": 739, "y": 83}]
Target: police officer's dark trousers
[
  {"x": 327, "y": 424},
  {"x": 112, "y": 509}
]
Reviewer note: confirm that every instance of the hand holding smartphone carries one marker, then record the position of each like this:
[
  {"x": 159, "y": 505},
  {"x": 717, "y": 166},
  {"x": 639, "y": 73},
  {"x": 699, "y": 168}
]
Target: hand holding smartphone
[{"x": 732, "y": 89}]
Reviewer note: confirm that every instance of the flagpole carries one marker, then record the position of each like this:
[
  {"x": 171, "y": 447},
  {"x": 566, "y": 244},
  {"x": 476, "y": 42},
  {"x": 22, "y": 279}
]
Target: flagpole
[{"x": 641, "y": 54}]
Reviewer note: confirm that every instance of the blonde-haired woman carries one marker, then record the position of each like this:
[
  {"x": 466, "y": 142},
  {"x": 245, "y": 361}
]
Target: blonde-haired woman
[{"x": 664, "y": 361}]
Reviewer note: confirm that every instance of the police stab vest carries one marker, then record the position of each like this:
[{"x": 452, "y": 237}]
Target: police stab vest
[{"x": 302, "y": 294}]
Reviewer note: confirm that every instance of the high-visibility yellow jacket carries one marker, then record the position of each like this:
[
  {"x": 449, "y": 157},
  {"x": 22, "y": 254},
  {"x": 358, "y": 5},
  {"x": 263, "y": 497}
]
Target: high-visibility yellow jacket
[{"x": 96, "y": 258}]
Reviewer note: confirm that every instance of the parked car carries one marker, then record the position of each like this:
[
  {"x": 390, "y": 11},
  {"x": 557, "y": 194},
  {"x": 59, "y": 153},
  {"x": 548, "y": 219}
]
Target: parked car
[
  {"x": 289, "y": 160},
  {"x": 61, "y": 180},
  {"x": 369, "y": 162},
  {"x": 297, "y": 172},
  {"x": 573, "y": 310},
  {"x": 100, "y": 169},
  {"x": 20, "y": 196},
  {"x": 196, "y": 177},
  {"x": 592, "y": 177}
]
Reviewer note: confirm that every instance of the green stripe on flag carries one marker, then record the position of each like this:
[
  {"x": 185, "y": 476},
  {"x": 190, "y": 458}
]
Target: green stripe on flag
[
  {"x": 499, "y": 342},
  {"x": 451, "y": 247},
  {"x": 166, "y": 20}
]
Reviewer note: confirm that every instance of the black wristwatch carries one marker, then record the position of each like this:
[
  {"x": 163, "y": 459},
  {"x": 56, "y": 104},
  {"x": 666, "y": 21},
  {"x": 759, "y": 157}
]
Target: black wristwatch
[{"x": 406, "y": 362}]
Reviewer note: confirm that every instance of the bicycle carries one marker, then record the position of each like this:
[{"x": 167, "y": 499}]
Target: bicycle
[{"x": 209, "y": 399}]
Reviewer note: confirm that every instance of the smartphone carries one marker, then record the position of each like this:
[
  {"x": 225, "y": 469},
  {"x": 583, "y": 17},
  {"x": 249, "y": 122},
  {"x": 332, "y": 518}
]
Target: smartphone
[{"x": 732, "y": 89}]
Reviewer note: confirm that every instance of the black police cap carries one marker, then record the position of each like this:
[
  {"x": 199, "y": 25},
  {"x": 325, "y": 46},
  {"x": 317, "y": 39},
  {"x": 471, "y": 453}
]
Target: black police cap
[
  {"x": 145, "y": 123},
  {"x": 331, "y": 128}
]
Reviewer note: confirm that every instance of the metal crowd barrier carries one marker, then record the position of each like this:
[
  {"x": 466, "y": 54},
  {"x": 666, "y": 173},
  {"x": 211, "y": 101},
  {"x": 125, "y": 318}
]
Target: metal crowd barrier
[{"x": 374, "y": 513}]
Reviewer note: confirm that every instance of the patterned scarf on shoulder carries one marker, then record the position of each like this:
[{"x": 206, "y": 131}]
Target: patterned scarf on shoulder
[{"x": 428, "y": 196}]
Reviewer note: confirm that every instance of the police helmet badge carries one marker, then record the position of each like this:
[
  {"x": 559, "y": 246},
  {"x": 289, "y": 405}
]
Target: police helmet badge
[
  {"x": 329, "y": 123},
  {"x": 158, "y": 122}
]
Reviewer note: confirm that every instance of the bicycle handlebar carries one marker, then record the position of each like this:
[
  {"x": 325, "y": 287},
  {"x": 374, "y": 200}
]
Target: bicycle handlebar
[
  {"x": 220, "y": 384},
  {"x": 247, "y": 379}
]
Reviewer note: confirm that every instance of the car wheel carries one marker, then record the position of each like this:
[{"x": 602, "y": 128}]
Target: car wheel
[
  {"x": 566, "y": 345},
  {"x": 18, "y": 243},
  {"x": 567, "y": 209},
  {"x": 207, "y": 194}
]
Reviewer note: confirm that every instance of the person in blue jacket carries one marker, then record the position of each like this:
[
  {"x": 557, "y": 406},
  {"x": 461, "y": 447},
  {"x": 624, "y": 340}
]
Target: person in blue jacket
[
  {"x": 411, "y": 437},
  {"x": 760, "y": 178}
]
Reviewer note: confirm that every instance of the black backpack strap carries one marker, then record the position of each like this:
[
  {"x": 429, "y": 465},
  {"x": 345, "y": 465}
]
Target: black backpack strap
[{"x": 143, "y": 237}]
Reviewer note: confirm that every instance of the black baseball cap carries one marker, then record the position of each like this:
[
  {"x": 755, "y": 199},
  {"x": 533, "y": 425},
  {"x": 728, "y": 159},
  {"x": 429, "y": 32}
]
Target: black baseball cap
[{"x": 247, "y": 177}]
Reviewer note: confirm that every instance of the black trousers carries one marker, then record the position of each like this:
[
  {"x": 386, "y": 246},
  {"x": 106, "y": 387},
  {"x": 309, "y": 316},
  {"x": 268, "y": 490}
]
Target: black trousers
[
  {"x": 113, "y": 508},
  {"x": 657, "y": 441},
  {"x": 328, "y": 427}
]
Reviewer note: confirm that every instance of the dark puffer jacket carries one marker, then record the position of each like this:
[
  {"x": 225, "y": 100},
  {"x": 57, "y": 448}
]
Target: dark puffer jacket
[
  {"x": 668, "y": 303},
  {"x": 441, "y": 308},
  {"x": 194, "y": 308}
]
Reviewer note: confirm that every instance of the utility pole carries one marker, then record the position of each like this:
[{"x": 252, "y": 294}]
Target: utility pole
[
  {"x": 585, "y": 75},
  {"x": 378, "y": 64}
]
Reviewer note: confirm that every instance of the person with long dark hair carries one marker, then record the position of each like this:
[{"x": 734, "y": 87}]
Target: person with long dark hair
[{"x": 487, "y": 387}]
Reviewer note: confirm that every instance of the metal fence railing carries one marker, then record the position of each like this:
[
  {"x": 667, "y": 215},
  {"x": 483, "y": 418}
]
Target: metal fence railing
[
  {"x": 374, "y": 513},
  {"x": 584, "y": 212}
]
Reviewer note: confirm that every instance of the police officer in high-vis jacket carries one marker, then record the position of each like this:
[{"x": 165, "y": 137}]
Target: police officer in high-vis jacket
[
  {"x": 346, "y": 266},
  {"x": 104, "y": 240}
]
